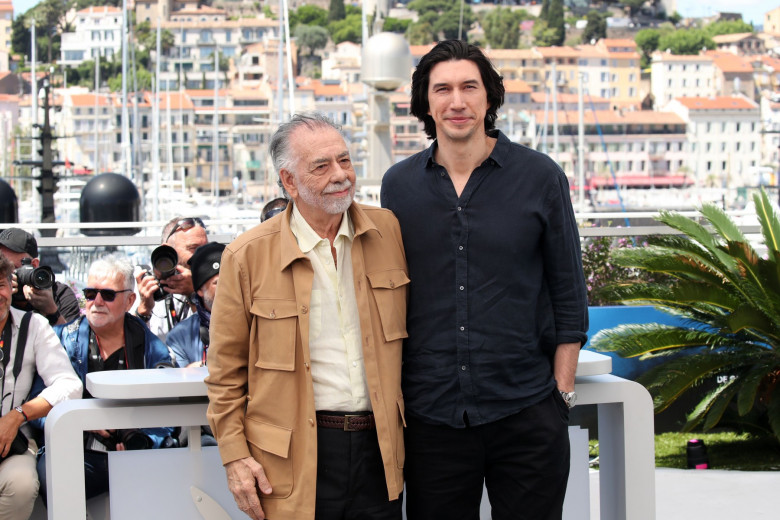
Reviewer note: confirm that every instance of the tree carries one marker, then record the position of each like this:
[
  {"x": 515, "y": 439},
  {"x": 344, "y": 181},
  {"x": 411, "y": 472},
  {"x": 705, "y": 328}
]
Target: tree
[
  {"x": 502, "y": 27},
  {"x": 728, "y": 27},
  {"x": 685, "y": 41},
  {"x": 647, "y": 42},
  {"x": 675, "y": 18},
  {"x": 336, "y": 11},
  {"x": 395, "y": 25},
  {"x": 633, "y": 5},
  {"x": 311, "y": 37},
  {"x": 308, "y": 15},
  {"x": 349, "y": 29},
  {"x": 420, "y": 33},
  {"x": 443, "y": 17},
  {"x": 20, "y": 36},
  {"x": 545, "y": 10},
  {"x": 729, "y": 297},
  {"x": 596, "y": 28}
]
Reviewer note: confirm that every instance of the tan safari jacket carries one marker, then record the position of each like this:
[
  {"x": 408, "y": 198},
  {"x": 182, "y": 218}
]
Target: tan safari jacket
[{"x": 261, "y": 401}]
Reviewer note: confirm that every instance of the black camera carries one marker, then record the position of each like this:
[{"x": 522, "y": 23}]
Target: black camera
[
  {"x": 133, "y": 439},
  {"x": 39, "y": 277},
  {"x": 164, "y": 261}
]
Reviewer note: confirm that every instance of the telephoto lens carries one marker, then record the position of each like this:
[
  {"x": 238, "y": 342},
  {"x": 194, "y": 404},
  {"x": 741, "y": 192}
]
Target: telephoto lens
[
  {"x": 39, "y": 277},
  {"x": 164, "y": 260}
]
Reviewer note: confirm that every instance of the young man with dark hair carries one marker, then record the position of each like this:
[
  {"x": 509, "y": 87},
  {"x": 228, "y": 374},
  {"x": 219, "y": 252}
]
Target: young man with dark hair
[{"x": 497, "y": 310}]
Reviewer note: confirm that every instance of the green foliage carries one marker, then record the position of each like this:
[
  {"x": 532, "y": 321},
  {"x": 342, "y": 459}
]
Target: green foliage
[
  {"x": 633, "y": 5},
  {"x": 728, "y": 27},
  {"x": 647, "y": 43},
  {"x": 438, "y": 19},
  {"x": 395, "y": 25},
  {"x": 348, "y": 29},
  {"x": 308, "y": 15},
  {"x": 726, "y": 450},
  {"x": 502, "y": 27},
  {"x": 597, "y": 26},
  {"x": 147, "y": 37},
  {"x": 546, "y": 36},
  {"x": 311, "y": 37},
  {"x": 336, "y": 10},
  {"x": 600, "y": 271},
  {"x": 729, "y": 297},
  {"x": 675, "y": 18},
  {"x": 549, "y": 29},
  {"x": 686, "y": 41}
]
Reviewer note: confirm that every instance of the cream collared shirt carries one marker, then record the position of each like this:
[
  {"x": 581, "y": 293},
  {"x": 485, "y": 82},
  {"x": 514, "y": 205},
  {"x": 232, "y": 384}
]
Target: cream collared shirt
[{"x": 337, "y": 368}]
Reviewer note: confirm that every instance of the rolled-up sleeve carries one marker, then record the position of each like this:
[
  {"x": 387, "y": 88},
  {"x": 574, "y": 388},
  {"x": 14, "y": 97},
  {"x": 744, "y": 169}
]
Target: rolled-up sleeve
[{"x": 53, "y": 365}]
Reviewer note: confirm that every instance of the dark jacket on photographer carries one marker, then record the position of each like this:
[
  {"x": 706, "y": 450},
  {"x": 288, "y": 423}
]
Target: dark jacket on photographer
[{"x": 146, "y": 351}]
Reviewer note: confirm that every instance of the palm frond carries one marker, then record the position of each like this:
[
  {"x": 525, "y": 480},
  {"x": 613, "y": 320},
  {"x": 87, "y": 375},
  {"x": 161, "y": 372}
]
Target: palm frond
[
  {"x": 722, "y": 223},
  {"x": 770, "y": 225},
  {"x": 669, "y": 380},
  {"x": 746, "y": 318},
  {"x": 712, "y": 406},
  {"x": 632, "y": 340},
  {"x": 698, "y": 233},
  {"x": 751, "y": 382}
]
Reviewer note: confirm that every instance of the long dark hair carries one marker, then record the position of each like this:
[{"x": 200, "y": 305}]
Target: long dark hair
[{"x": 453, "y": 50}]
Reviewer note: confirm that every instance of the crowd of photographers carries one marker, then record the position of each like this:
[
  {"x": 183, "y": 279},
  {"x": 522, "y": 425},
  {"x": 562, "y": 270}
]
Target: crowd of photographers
[{"x": 134, "y": 317}]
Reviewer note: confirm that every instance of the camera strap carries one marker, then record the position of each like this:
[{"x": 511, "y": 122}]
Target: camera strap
[{"x": 21, "y": 343}]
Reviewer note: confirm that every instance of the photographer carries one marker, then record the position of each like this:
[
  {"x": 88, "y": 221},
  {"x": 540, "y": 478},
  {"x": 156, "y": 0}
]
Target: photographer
[
  {"x": 184, "y": 235},
  {"x": 35, "y": 343},
  {"x": 57, "y": 303},
  {"x": 108, "y": 337}
]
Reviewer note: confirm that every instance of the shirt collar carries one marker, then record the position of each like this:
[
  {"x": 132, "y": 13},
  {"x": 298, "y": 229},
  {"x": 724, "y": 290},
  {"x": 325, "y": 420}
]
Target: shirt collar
[
  {"x": 498, "y": 155},
  {"x": 308, "y": 238}
]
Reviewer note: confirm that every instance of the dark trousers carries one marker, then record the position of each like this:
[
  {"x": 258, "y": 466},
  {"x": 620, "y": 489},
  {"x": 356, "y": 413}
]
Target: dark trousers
[
  {"x": 351, "y": 481},
  {"x": 522, "y": 459}
]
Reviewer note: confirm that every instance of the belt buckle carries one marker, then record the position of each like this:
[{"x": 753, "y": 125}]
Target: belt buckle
[{"x": 347, "y": 424}]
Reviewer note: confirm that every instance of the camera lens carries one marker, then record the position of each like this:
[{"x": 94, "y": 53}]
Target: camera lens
[
  {"x": 42, "y": 278},
  {"x": 164, "y": 260}
]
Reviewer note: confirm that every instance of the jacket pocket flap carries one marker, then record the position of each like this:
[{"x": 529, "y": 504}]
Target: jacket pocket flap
[
  {"x": 269, "y": 438},
  {"x": 274, "y": 309},
  {"x": 390, "y": 279}
]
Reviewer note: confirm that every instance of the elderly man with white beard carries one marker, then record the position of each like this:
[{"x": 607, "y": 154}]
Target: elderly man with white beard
[{"x": 305, "y": 356}]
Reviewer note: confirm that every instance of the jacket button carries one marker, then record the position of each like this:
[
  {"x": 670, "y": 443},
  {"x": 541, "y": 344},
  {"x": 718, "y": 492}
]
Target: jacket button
[
  {"x": 311, "y": 422},
  {"x": 392, "y": 284},
  {"x": 304, "y": 309},
  {"x": 272, "y": 315},
  {"x": 306, "y": 365}
]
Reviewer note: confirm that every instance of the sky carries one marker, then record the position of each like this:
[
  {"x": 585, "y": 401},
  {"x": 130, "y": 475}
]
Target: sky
[{"x": 752, "y": 10}]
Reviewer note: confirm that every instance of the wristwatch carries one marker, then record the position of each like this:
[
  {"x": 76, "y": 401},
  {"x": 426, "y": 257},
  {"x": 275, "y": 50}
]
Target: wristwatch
[{"x": 570, "y": 398}]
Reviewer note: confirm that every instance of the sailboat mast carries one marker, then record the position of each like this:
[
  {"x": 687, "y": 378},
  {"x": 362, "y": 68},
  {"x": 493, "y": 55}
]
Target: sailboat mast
[
  {"x": 156, "y": 131},
  {"x": 126, "y": 168}
]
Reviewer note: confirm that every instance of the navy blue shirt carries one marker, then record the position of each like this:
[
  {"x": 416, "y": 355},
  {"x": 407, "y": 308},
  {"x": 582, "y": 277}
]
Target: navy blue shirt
[{"x": 496, "y": 282}]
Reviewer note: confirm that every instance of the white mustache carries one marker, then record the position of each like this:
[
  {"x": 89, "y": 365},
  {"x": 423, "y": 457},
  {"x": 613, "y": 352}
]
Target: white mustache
[{"x": 339, "y": 186}]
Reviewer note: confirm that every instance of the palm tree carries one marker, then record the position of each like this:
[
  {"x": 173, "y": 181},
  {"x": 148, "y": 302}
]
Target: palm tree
[{"x": 728, "y": 299}]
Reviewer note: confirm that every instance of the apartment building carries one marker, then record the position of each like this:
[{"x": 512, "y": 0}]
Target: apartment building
[
  {"x": 6, "y": 19},
  {"x": 642, "y": 148},
  {"x": 740, "y": 44},
  {"x": 733, "y": 75},
  {"x": 772, "y": 21},
  {"x": 675, "y": 76},
  {"x": 724, "y": 134},
  {"x": 199, "y": 33},
  {"x": 623, "y": 69},
  {"x": 98, "y": 32},
  {"x": 343, "y": 63},
  {"x": 152, "y": 10},
  {"x": 770, "y": 140}
]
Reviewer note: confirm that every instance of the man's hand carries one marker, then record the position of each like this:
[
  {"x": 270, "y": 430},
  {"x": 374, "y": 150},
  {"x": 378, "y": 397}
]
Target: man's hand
[
  {"x": 180, "y": 283},
  {"x": 42, "y": 300},
  {"x": 244, "y": 477},
  {"x": 147, "y": 286},
  {"x": 9, "y": 426}
]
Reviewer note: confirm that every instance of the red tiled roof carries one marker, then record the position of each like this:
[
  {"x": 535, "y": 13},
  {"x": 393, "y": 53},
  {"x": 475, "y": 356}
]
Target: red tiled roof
[{"x": 716, "y": 103}]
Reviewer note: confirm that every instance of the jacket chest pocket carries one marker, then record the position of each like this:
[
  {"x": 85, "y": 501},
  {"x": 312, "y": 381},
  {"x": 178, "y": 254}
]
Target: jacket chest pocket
[
  {"x": 276, "y": 329},
  {"x": 390, "y": 289}
]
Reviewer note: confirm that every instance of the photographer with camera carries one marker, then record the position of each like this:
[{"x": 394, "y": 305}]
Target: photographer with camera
[
  {"x": 165, "y": 288},
  {"x": 27, "y": 346},
  {"x": 33, "y": 285},
  {"x": 108, "y": 337}
]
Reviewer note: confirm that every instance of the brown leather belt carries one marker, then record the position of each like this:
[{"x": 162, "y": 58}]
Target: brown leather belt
[{"x": 348, "y": 422}]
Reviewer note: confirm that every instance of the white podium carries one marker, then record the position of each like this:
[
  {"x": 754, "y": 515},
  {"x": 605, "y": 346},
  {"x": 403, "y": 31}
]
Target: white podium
[{"x": 177, "y": 397}]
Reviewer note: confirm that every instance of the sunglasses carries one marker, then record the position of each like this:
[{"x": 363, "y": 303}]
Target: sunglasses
[
  {"x": 185, "y": 224},
  {"x": 108, "y": 295}
]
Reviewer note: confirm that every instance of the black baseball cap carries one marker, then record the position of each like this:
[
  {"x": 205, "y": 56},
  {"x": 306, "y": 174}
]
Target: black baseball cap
[
  {"x": 205, "y": 263},
  {"x": 19, "y": 241}
]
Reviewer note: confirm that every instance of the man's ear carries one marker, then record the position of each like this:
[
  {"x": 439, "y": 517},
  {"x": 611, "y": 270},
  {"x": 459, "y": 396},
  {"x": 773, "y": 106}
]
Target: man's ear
[
  {"x": 288, "y": 182},
  {"x": 35, "y": 262},
  {"x": 130, "y": 301}
]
